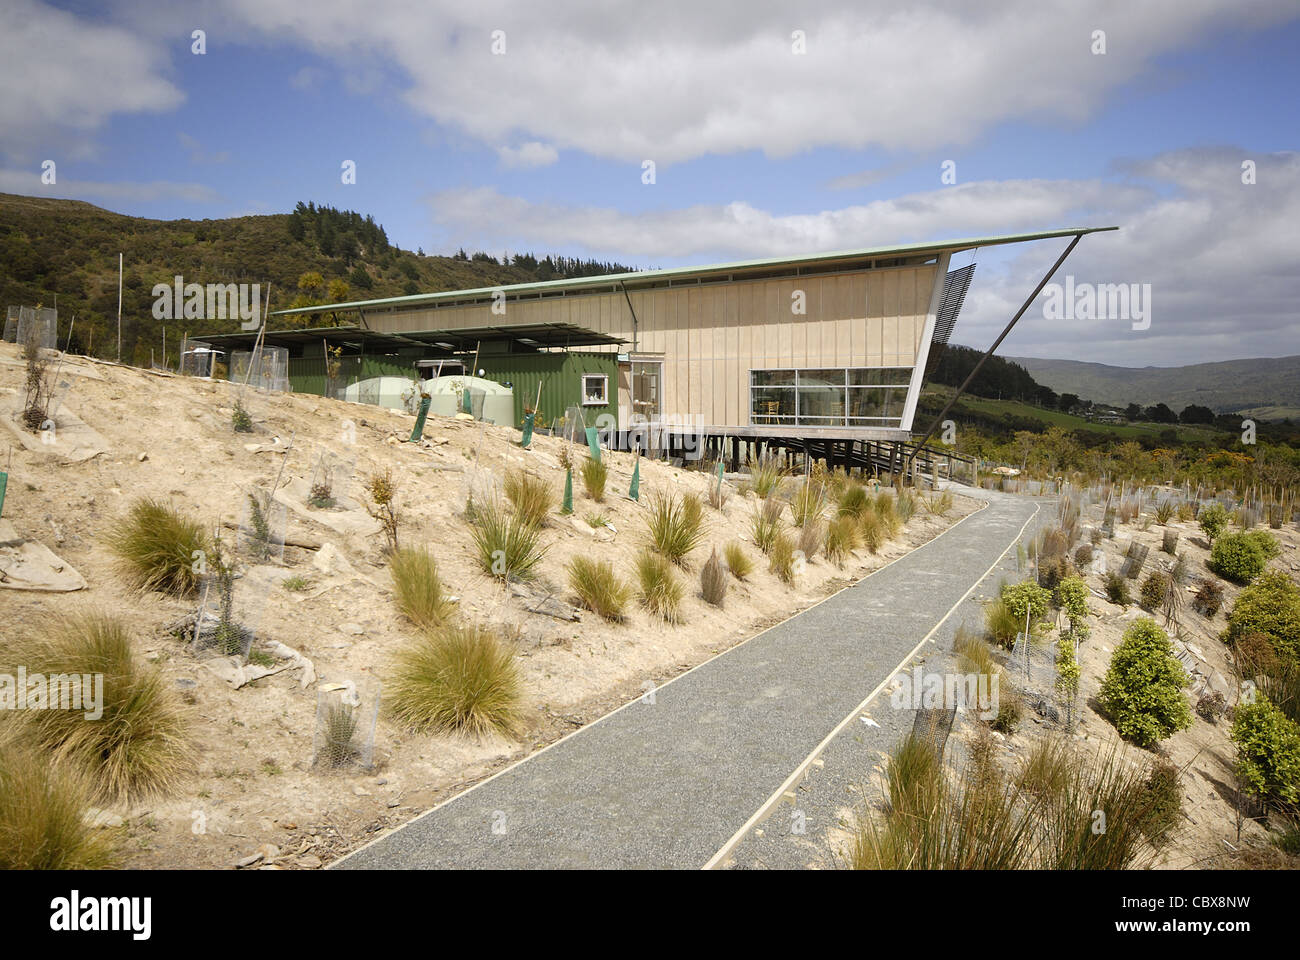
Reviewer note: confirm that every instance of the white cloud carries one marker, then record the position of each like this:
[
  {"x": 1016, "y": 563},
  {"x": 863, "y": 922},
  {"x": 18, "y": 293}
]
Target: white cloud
[
  {"x": 1220, "y": 255},
  {"x": 306, "y": 79},
  {"x": 198, "y": 154},
  {"x": 528, "y": 155},
  {"x": 675, "y": 80},
  {"x": 63, "y": 75}
]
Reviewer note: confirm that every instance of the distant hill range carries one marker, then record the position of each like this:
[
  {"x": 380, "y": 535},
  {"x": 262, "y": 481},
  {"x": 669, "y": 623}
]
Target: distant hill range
[{"x": 1267, "y": 388}]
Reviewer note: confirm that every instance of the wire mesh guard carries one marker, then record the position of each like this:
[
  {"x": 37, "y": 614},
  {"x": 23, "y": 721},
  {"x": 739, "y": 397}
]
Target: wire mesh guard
[
  {"x": 198, "y": 358},
  {"x": 262, "y": 526},
  {"x": 932, "y": 725},
  {"x": 346, "y": 714},
  {"x": 332, "y": 481},
  {"x": 229, "y": 613},
  {"x": 266, "y": 370},
  {"x": 11, "y": 325},
  {"x": 1134, "y": 560},
  {"x": 45, "y": 321}
]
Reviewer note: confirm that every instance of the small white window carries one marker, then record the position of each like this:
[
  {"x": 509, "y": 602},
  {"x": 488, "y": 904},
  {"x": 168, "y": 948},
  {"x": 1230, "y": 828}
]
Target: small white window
[{"x": 595, "y": 389}]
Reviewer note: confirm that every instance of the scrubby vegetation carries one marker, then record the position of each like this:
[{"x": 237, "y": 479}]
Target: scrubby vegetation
[
  {"x": 1241, "y": 557},
  {"x": 1268, "y": 751},
  {"x": 738, "y": 562},
  {"x": 1142, "y": 693}
]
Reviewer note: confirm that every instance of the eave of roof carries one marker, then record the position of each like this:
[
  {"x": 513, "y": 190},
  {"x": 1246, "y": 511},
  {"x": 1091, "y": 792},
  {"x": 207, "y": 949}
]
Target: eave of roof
[{"x": 652, "y": 276}]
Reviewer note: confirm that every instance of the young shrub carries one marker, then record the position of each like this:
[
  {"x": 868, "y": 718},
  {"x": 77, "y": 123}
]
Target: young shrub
[
  {"x": 1186, "y": 512},
  {"x": 1161, "y": 802},
  {"x": 1164, "y": 512},
  {"x": 240, "y": 419},
  {"x": 417, "y": 588},
  {"x": 1083, "y": 555},
  {"x": 781, "y": 558},
  {"x": 507, "y": 547},
  {"x": 382, "y": 489},
  {"x": 1213, "y": 518},
  {"x": 1002, "y": 624},
  {"x": 1117, "y": 589},
  {"x": 42, "y": 816},
  {"x": 713, "y": 580},
  {"x": 594, "y": 476},
  {"x": 1010, "y": 710},
  {"x": 1241, "y": 557},
  {"x": 140, "y": 745},
  {"x": 659, "y": 590},
  {"x": 1026, "y": 598},
  {"x": 1271, "y": 606},
  {"x": 841, "y": 539},
  {"x": 1142, "y": 693},
  {"x": 676, "y": 525},
  {"x": 598, "y": 588},
  {"x": 156, "y": 547},
  {"x": 456, "y": 679},
  {"x": 766, "y": 475},
  {"x": 1211, "y": 706},
  {"x": 1268, "y": 751},
  {"x": 531, "y": 497},
  {"x": 738, "y": 562},
  {"x": 1154, "y": 590},
  {"x": 767, "y": 524}
]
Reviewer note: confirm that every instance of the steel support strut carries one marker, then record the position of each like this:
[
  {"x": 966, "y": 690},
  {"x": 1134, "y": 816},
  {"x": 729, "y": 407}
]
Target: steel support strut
[{"x": 989, "y": 352}]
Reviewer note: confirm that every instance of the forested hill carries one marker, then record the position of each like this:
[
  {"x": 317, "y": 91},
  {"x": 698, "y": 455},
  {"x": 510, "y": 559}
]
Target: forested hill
[{"x": 68, "y": 247}]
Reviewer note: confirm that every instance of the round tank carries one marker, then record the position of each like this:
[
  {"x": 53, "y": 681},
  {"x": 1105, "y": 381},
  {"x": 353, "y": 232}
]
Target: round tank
[{"x": 489, "y": 400}]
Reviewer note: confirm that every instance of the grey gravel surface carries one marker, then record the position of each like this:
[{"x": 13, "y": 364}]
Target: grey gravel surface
[{"x": 667, "y": 784}]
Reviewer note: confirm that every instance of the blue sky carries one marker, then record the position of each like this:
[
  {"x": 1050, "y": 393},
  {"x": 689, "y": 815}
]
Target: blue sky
[{"x": 760, "y": 150}]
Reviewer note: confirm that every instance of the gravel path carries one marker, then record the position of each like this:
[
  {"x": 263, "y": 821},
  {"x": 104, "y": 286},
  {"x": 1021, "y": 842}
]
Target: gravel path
[{"x": 669, "y": 780}]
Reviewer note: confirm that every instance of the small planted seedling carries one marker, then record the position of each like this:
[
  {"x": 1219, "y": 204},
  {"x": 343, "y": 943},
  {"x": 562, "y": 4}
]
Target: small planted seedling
[{"x": 345, "y": 724}]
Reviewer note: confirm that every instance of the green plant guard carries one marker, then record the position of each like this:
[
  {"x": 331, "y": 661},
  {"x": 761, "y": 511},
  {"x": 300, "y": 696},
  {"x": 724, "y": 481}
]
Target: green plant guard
[
  {"x": 634, "y": 491},
  {"x": 567, "y": 506}
]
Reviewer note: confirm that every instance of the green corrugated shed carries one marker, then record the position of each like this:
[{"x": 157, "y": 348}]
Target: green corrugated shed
[{"x": 561, "y": 375}]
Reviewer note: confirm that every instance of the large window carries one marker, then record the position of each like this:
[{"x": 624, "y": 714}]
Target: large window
[{"x": 838, "y": 397}]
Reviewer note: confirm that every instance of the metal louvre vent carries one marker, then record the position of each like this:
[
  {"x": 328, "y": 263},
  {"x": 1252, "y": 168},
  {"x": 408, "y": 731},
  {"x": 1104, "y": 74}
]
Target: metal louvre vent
[{"x": 955, "y": 285}]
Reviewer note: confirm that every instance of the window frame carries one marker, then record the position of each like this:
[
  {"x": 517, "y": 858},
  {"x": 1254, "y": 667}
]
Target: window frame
[
  {"x": 604, "y": 389},
  {"x": 847, "y": 386}
]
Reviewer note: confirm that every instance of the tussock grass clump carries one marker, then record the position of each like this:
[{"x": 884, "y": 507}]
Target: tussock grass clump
[
  {"x": 854, "y": 501},
  {"x": 811, "y": 537},
  {"x": 140, "y": 745},
  {"x": 676, "y": 525},
  {"x": 767, "y": 524},
  {"x": 659, "y": 589},
  {"x": 598, "y": 588},
  {"x": 973, "y": 654},
  {"x": 905, "y": 505},
  {"x": 507, "y": 547},
  {"x": 939, "y": 504},
  {"x": 156, "y": 547},
  {"x": 1001, "y": 623},
  {"x": 809, "y": 502},
  {"x": 738, "y": 562},
  {"x": 42, "y": 806},
  {"x": 456, "y": 679},
  {"x": 780, "y": 559},
  {"x": 713, "y": 580},
  {"x": 531, "y": 497},
  {"x": 886, "y": 510},
  {"x": 1045, "y": 818},
  {"x": 872, "y": 530},
  {"x": 418, "y": 589},
  {"x": 594, "y": 476},
  {"x": 841, "y": 538},
  {"x": 766, "y": 475}
]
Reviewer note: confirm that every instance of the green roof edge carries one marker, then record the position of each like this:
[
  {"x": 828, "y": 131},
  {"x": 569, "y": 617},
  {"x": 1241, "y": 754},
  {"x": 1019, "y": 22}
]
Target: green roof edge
[{"x": 579, "y": 282}]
